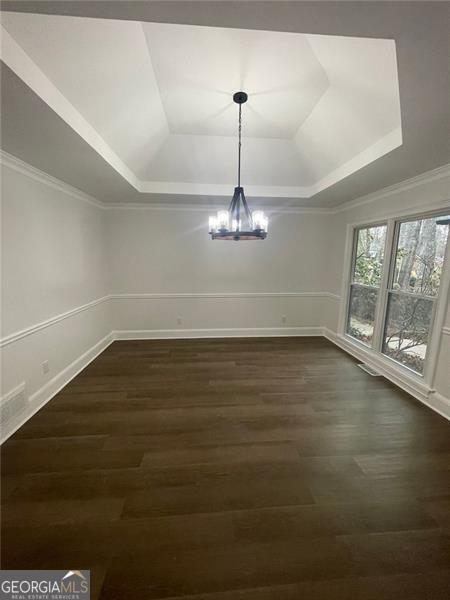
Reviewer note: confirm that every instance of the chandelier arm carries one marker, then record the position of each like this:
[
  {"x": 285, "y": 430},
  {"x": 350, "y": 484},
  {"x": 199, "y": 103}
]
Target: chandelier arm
[
  {"x": 238, "y": 210},
  {"x": 247, "y": 210},
  {"x": 233, "y": 202},
  {"x": 233, "y": 207}
]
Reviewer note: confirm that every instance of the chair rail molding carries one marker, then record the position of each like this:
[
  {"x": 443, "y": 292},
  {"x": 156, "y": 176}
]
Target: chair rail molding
[{"x": 18, "y": 335}]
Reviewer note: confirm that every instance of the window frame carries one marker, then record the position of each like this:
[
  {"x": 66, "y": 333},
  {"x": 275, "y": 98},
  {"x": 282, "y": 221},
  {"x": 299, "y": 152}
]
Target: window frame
[
  {"x": 393, "y": 223},
  {"x": 351, "y": 283}
]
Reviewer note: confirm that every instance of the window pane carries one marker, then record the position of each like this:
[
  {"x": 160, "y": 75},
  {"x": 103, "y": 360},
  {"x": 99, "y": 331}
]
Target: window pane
[
  {"x": 420, "y": 255},
  {"x": 361, "y": 317},
  {"x": 369, "y": 255},
  {"x": 407, "y": 327}
]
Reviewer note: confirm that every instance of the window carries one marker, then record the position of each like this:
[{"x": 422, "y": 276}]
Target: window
[
  {"x": 365, "y": 283},
  {"x": 419, "y": 259},
  {"x": 392, "y": 303}
]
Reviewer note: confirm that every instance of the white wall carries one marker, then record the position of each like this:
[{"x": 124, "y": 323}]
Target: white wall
[
  {"x": 73, "y": 272},
  {"x": 53, "y": 261},
  {"x": 164, "y": 268}
]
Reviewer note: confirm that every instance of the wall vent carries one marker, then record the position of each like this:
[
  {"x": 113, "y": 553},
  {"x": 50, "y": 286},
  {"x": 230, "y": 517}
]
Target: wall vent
[
  {"x": 12, "y": 404},
  {"x": 369, "y": 369}
]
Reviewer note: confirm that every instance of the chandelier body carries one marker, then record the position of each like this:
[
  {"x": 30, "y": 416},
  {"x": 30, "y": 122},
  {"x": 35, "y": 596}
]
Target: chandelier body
[{"x": 238, "y": 222}]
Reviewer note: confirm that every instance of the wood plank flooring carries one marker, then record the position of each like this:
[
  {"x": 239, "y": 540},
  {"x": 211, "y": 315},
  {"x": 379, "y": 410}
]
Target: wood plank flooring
[{"x": 238, "y": 469}]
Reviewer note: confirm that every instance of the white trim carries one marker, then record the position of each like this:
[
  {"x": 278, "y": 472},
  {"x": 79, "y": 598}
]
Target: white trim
[
  {"x": 438, "y": 403},
  {"x": 442, "y": 206},
  {"x": 39, "y": 175},
  {"x": 12, "y": 162},
  {"x": 212, "y": 295},
  {"x": 279, "y": 208},
  {"x": 160, "y": 334},
  {"x": 17, "y": 390},
  {"x": 52, "y": 387},
  {"x": 438, "y": 320},
  {"x": 446, "y": 330},
  {"x": 401, "y": 186},
  {"x": 380, "y": 148},
  {"x": 18, "y": 335},
  {"x": 223, "y": 189}
]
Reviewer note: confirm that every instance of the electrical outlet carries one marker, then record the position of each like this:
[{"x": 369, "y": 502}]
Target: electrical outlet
[
  {"x": 45, "y": 367},
  {"x": 179, "y": 321},
  {"x": 283, "y": 319}
]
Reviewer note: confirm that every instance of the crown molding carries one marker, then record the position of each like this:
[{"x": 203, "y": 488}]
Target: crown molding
[
  {"x": 402, "y": 186},
  {"x": 12, "y": 162},
  {"x": 25, "y": 168},
  {"x": 211, "y": 207}
]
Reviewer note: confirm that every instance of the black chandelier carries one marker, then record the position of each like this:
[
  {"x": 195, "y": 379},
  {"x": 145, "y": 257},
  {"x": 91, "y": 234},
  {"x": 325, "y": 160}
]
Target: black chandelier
[{"x": 227, "y": 225}]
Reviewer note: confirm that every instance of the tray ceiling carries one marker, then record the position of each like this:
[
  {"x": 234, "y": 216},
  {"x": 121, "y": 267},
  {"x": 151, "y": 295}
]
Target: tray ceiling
[{"x": 155, "y": 100}]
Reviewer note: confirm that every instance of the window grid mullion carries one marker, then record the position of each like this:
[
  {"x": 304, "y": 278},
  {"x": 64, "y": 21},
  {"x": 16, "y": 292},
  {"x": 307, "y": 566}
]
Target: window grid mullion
[{"x": 386, "y": 279}]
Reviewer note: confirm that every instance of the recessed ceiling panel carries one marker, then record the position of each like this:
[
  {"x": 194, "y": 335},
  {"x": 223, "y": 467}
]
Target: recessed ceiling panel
[
  {"x": 199, "y": 68},
  {"x": 155, "y": 100}
]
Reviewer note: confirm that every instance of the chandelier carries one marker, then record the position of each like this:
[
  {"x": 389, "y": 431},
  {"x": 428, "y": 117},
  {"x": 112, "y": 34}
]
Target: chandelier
[{"x": 228, "y": 225}]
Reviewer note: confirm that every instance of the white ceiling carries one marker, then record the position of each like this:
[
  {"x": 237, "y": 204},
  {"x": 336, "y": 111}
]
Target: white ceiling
[{"x": 155, "y": 100}]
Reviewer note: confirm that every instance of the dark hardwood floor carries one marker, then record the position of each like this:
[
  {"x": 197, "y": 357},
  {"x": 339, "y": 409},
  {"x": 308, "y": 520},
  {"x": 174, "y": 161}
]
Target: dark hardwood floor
[{"x": 238, "y": 469}]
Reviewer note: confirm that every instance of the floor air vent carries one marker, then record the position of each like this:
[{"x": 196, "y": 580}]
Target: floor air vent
[{"x": 369, "y": 370}]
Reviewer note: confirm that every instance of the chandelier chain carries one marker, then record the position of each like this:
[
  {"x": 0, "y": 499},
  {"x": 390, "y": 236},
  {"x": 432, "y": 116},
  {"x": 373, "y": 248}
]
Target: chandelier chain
[{"x": 239, "y": 145}]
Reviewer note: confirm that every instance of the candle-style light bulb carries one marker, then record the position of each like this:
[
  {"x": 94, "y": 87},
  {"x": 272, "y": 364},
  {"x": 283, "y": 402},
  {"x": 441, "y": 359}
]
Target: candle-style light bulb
[
  {"x": 258, "y": 218},
  {"x": 212, "y": 223},
  {"x": 223, "y": 219},
  {"x": 265, "y": 223}
]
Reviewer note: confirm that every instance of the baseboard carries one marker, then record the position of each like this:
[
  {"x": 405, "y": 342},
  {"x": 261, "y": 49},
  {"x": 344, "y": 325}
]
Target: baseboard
[
  {"x": 37, "y": 400},
  {"x": 439, "y": 403},
  {"x": 161, "y": 334},
  {"x": 400, "y": 377}
]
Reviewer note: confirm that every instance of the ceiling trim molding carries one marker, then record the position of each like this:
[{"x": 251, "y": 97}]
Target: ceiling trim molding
[
  {"x": 383, "y": 146},
  {"x": 223, "y": 189},
  {"x": 402, "y": 186},
  {"x": 25, "y": 168},
  {"x": 12, "y": 162},
  {"x": 211, "y": 207}
]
